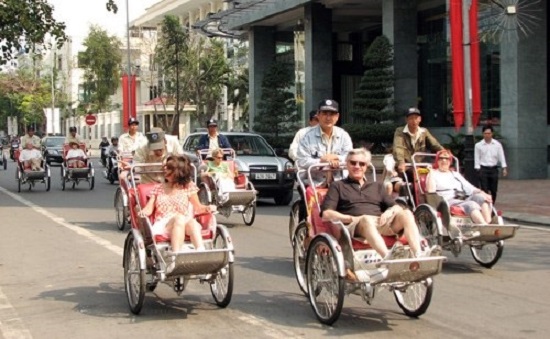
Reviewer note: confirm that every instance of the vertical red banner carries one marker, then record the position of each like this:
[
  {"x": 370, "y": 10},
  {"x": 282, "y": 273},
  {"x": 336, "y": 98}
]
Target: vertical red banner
[
  {"x": 475, "y": 63},
  {"x": 457, "y": 60},
  {"x": 128, "y": 99}
]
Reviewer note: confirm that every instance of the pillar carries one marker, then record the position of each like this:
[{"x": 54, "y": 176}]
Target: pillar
[{"x": 261, "y": 55}]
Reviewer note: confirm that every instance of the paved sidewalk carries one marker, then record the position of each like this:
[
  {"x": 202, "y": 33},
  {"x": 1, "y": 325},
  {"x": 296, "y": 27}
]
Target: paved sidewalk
[{"x": 525, "y": 200}]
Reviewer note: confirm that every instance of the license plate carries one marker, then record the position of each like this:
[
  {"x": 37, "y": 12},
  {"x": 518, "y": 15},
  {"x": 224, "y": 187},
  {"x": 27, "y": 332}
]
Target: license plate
[{"x": 265, "y": 176}]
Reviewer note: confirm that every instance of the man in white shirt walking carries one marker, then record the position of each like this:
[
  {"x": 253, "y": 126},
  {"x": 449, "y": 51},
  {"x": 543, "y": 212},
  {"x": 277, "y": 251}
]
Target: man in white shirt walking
[{"x": 488, "y": 155}]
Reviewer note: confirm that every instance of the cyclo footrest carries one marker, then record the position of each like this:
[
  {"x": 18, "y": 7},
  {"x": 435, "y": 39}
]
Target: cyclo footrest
[
  {"x": 412, "y": 269},
  {"x": 199, "y": 262}
]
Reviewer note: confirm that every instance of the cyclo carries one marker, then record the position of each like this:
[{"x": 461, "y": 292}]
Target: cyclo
[
  {"x": 145, "y": 256},
  {"x": 450, "y": 227},
  {"x": 74, "y": 174},
  {"x": 323, "y": 252},
  {"x": 242, "y": 199},
  {"x": 27, "y": 176}
]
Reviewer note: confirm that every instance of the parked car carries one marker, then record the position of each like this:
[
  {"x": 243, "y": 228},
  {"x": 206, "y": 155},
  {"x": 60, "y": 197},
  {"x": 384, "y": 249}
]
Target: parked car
[
  {"x": 272, "y": 176},
  {"x": 52, "y": 149}
]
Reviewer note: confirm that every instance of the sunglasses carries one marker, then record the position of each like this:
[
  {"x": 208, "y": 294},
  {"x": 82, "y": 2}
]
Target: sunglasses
[
  {"x": 218, "y": 157},
  {"x": 361, "y": 163},
  {"x": 445, "y": 158}
]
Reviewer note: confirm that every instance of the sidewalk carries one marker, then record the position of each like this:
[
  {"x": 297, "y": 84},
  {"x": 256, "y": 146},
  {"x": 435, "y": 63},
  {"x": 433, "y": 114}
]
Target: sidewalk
[{"x": 524, "y": 200}]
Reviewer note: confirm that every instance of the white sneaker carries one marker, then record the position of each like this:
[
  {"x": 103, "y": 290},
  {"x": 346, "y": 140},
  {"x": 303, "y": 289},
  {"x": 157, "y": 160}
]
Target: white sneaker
[
  {"x": 372, "y": 276},
  {"x": 396, "y": 252},
  {"x": 171, "y": 265}
]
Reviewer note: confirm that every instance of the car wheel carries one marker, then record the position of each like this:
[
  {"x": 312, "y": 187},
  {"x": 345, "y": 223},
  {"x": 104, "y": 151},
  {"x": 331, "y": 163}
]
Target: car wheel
[{"x": 284, "y": 198}]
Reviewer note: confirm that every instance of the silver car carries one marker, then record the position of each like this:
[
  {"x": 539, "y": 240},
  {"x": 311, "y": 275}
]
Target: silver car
[{"x": 272, "y": 176}]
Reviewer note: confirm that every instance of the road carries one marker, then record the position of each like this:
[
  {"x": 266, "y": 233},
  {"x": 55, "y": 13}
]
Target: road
[{"x": 61, "y": 277}]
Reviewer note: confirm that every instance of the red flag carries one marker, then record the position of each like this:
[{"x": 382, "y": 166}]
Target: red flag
[
  {"x": 474, "y": 61},
  {"x": 457, "y": 59},
  {"x": 128, "y": 106}
]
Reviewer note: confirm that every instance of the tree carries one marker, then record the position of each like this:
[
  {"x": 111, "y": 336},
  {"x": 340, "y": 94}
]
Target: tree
[
  {"x": 373, "y": 113},
  {"x": 25, "y": 23},
  {"x": 277, "y": 110},
  {"x": 101, "y": 62},
  {"x": 195, "y": 70}
]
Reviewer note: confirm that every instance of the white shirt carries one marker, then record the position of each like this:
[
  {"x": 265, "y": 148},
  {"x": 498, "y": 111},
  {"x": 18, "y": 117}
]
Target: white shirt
[
  {"x": 489, "y": 154},
  {"x": 34, "y": 140},
  {"x": 76, "y": 153},
  {"x": 213, "y": 143},
  {"x": 293, "y": 149},
  {"x": 127, "y": 143},
  {"x": 28, "y": 154},
  {"x": 414, "y": 137}
]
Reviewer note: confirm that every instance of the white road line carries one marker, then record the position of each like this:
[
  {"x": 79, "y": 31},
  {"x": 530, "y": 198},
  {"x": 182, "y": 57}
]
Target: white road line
[
  {"x": 544, "y": 229},
  {"x": 17, "y": 331}
]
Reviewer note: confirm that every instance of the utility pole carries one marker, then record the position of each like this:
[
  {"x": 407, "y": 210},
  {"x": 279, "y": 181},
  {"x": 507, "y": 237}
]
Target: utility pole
[
  {"x": 469, "y": 171},
  {"x": 129, "y": 68}
]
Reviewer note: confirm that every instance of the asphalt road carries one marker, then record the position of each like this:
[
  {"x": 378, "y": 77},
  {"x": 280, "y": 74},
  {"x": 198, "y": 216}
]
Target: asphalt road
[{"x": 61, "y": 277}]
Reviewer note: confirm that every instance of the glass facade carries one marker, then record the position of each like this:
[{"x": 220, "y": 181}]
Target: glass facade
[{"x": 434, "y": 72}]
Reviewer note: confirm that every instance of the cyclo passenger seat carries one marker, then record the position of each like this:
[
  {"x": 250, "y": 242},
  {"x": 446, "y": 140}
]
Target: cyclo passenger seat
[
  {"x": 320, "y": 226},
  {"x": 67, "y": 148},
  {"x": 205, "y": 220}
]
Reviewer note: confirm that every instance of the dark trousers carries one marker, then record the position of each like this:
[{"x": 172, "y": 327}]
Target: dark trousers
[{"x": 488, "y": 180}]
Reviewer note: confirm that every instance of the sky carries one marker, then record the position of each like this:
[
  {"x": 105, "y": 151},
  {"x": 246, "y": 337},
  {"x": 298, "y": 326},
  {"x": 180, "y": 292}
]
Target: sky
[{"x": 78, "y": 15}]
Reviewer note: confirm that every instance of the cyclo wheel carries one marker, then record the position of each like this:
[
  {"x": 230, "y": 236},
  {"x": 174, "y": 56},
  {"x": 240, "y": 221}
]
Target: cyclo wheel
[
  {"x": 134, "y": 276},
  {"x": 222, "y": 287},
  {"x": 299, "y": 255},
  {"x": 19, "y": 178},
  {"x": 48, "y": 183},
  {"x": 427, "y": 225},
  {"x": 249, "y": 214},
  {"x": 121, "y": 211},
  {"x": 62, "y": 178},
  {"x": 5, "y": 162},
  {"x": 294, "y": 219},
  {"x": 92, "y": 183},
  {"x": 415, "y": 299},
  {"x": 325, "y": 286},
  {"x": 487, "y": 254}
]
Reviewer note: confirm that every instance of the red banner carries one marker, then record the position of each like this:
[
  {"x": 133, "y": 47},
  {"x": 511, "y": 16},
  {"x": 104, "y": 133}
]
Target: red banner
[
  {"x": 128, "y": 105},
  {"x": 457, "y": 60},
  {"x": 475, "y": 62}
]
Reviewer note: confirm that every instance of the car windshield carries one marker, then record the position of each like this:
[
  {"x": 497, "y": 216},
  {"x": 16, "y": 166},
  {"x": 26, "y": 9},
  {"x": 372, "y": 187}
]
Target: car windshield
[
  {"x": 242, "y": 144},
  {"x": 54, "y": 142}
]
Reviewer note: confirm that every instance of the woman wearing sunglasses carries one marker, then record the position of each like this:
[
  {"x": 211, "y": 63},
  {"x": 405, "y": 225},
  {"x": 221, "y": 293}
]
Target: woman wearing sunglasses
[
  {"x": 456, "y": 190},
  {"x": 220, "y": 173},
  {"x": 174, "y": 203}
]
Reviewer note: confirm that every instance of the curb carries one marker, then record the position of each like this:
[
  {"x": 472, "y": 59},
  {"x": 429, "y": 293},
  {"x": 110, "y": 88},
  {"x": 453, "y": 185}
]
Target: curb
[{"x": 527, "y": 219}]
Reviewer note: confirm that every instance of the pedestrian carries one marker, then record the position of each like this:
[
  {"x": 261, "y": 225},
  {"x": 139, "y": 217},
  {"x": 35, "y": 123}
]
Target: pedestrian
[{"x": 488, "y": 157}]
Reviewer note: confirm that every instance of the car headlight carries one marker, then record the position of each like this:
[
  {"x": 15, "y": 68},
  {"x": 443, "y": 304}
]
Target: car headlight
[{"x": 289, "y": 167}]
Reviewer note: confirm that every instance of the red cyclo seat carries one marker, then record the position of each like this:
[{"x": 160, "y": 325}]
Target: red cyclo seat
[{"x": 458, "y": 211}]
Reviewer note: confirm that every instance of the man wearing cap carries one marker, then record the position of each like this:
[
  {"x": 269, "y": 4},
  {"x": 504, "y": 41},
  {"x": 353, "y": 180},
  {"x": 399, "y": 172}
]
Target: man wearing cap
[
  {"x": 411, "y": 139},
  {"x": 73, "y": 137},
  {"x": 30, "y": 138},
  {"x": 213, "y": 139},
  {"x": 129, "y": 142},
  {"x": 158, "y": 147},
  {"x": 293, "y": 149}
]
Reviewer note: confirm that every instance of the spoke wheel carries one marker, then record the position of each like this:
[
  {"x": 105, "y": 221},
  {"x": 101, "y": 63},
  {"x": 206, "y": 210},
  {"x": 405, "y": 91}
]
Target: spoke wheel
[
  {"x": 294, "y": 219},
  {"x": 222, "y": 286},
  {"x": 19, "y": 178},
  {"x": 325, "y": 286},
  {"x": 134, "y": 277},
  {"x": 121, "y": 211},
  {"x": 415, "y": 298},
  {"x": 92, "y": 183},
  {"x": 487, "y": 254},
  {"x": 249, "y": 214},
  {"x": 48, "y": 183},
  {"x": 427, "y": 225},
  {"x": 299, "y": 255},
  {"x": 62, "y": 178},
  {"x": 5, "y": 161}
]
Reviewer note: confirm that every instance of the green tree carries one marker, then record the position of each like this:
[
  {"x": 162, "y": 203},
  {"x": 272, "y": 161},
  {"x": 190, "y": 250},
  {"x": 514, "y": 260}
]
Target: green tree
[
  {"x": 25, "y": 23},
  {"x": 277, "y": 110},
  {"x": 373, "y": 113},
  {"x": 101, "y": 62}
]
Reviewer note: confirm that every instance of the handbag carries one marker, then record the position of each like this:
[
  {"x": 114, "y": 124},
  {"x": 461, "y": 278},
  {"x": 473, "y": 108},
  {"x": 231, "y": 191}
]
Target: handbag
[{"x": 460, "y": 195}]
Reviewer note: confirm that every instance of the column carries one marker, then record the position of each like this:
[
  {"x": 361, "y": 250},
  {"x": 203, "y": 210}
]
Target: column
[
  {"x": 318, "y": 55},
  {"x": 399, "y": 25},
  {"x": 261, "y": 55},
  {"x": 524, "y": 101}
]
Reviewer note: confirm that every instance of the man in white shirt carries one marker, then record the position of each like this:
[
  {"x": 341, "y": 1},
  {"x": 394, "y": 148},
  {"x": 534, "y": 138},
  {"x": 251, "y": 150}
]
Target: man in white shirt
[
  {"x": 31, "y": 157},
  {"x": 129, "y": 142},
  {"x": 30, "y": 137},
  {"x": 488, "y": 155},
  {"x": 73, "y": 137},
  {"x": 293, "y": 149}
]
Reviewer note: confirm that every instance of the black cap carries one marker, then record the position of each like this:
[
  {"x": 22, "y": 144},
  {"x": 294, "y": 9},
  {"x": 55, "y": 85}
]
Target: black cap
[
  {"x": 328, "y": 105},
  {"x": 72, "y": 129},
  {"x": 211, "y": 122},
  {"x": 412, "y": 111},
  {"x": 312, "y": 114},
  {"x": 132, "y": 121}
]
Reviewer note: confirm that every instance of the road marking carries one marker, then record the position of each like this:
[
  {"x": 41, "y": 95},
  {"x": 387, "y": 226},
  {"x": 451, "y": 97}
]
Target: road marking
[
  {"x": 11, "y": 326},
  {"x": 544, "y": 229}
]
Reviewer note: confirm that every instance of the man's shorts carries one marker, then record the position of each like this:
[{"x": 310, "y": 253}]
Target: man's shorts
[{"x": 384, "y": 229}]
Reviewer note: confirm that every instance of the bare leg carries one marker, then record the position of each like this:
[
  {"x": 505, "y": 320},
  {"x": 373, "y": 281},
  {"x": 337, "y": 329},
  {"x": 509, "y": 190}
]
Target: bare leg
[
  {"x": 477, "y": 217},
  {"x": 404, "y": 220},
  {"x": 389, "y": 188},
  {"x": 486, "y": 212},
  {"x": 176, "y": 227},
  {"x": 366, "y": 228},
  {"x": 193, "y": 228}
]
